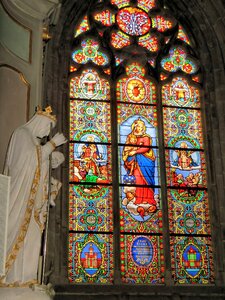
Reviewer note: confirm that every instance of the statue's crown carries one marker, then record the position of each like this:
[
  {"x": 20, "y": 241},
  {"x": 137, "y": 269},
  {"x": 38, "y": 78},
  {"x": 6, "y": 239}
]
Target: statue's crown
[{"x": 46, "y": 112}]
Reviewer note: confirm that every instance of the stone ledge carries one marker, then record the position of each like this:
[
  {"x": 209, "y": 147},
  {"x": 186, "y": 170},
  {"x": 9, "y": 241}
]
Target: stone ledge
[
  {"x": 140, "y": 291},
  {"x": 36, "y": 292}
]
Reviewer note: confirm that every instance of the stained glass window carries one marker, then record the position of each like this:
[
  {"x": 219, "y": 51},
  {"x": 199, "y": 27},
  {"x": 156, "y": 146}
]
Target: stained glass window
[
  {"x": 83, "y": 27},
  {"x": 137, "y": 166}
]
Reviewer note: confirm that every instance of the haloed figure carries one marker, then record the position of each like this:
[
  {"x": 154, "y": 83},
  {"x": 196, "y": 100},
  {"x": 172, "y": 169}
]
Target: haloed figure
[{"x": 140, "y": 160}]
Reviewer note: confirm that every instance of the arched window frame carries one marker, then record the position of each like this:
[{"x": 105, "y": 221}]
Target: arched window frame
[
  {"x": 59, "y": 82},
  {"x": 159, "y": 105}
]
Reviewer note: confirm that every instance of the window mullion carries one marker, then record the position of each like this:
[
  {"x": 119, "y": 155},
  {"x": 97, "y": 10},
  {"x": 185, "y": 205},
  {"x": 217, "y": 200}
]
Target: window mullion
[
  {"x": 115, "y": 185},
  {"x": 164, "y": 203}
]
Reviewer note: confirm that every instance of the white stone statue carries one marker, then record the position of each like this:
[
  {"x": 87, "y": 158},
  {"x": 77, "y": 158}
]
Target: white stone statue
[{"x": 27, "y": 163}]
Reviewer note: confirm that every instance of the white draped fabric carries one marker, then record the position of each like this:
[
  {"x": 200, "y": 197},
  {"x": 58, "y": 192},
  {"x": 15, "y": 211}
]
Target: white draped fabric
[{"x": 27, "y": 164}]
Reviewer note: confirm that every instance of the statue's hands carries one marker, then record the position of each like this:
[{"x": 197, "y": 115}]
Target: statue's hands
[
  {"x": 57, "y": 159},
  {"x": 59, "y": 139}
]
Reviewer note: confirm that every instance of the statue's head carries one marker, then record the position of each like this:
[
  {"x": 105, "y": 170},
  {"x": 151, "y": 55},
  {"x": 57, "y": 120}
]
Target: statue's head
[
  {"x": 47, "y": 112},
  {"x": 42, "y": 122}
]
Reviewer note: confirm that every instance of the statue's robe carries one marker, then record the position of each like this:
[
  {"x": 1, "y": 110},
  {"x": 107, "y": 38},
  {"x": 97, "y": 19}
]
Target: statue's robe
[{"x": 27, "y": 163}]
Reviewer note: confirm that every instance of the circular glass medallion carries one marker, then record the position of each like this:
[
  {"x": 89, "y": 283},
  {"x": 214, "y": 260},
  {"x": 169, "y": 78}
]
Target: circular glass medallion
[
  {"x": 133, "y": 21},
  {"x": 189, "y": 222},
  {"x": 91, "y": 219},
  {"x": 136, "y": 90}
]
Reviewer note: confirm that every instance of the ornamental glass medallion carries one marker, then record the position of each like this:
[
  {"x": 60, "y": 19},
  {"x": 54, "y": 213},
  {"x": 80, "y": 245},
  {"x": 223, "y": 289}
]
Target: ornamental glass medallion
[
  {"x": 90, "y": 208},
  {"x": 90, "y": 258},
  {"x": 188, "y": 210},
  {"x": 180, "y": 93},
  {"x": 133, "y": 21},
  {"x": 135, "y": 87},
  {"x": 192, "y": 260},
  {"x": 89, "y": 117},
  {"x": 142, "y": 259},
  {"x": 135, "y": 102},
  {"x": 89, "y": 85},
  {"x": 184, "y": 125}
]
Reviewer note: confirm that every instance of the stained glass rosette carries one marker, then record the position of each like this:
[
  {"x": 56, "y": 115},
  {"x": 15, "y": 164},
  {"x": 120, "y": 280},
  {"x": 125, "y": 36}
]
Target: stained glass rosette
[
  {"x": 89, "y": 52},
  {"x": 192, "y": 261},
  {"x": 90, "y": 258},
  {"x": 134, "y": 21},
  {"x": 179, "y": 60},
  {"x": 142, "y": 260}
]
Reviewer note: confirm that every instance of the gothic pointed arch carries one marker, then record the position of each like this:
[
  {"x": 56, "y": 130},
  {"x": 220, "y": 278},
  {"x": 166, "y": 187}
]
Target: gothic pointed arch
[{"x": 132, "y": 192}]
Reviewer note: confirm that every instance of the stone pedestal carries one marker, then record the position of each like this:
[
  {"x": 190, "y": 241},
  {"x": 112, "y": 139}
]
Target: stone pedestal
[{"x": 37, "y": 292}]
